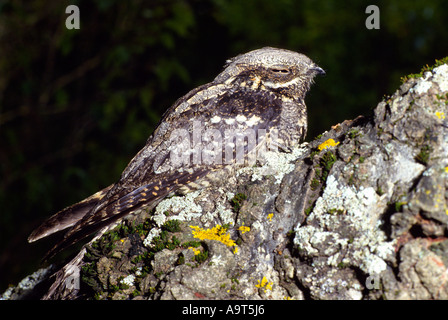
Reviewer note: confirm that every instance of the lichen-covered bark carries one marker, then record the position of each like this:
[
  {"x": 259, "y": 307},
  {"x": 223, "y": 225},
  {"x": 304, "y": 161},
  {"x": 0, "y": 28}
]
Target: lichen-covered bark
[{"x": 361, "y": 216}]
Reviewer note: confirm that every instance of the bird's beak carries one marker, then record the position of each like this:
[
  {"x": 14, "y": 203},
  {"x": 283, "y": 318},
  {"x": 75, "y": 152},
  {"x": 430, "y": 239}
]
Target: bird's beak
[{"x": 317, "y": 70}]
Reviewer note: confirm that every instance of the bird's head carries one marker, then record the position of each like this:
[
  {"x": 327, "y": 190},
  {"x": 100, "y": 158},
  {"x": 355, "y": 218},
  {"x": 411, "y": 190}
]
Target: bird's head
[{"x": 278, "y": 70}]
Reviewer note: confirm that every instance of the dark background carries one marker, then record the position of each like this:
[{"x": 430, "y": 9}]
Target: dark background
[{"x": 76, "y": 105}]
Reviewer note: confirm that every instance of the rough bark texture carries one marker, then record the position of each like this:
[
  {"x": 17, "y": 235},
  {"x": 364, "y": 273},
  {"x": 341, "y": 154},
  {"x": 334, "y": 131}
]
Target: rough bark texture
[{"x": 362, "y": 216}]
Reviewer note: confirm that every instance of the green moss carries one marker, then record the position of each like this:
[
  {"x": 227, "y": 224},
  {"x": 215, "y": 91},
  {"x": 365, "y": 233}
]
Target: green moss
[
  {"x": 99, "y": 295},
  {"x": 172, "y": 226},
  {"x": 326, "y": 162},
  {"x": 143, "y": 228},
  {"x": 399, "y": 205},
  {"x": 424, "y": 155},
  {"x": 173, "y": 243},
  {"x": 104, "y": 245},
  {"x": 108, "y": 242},
  {"x": 336, "y": 211},
  {"x": 89, "y": 276},
  {"x": 315, "y": 183},
  {"x": 194, "y": 244},
  {"x": 351, "y": 179},
  {"x": 121, "y": 285},
  {"x": 424, "y": 69},
  {"x": 135, "y": 293},
  {"x": 380, "y": 191},
  {"x": 354, "y": 133},
  {"x": 164, "y": 241},
  {"x": 322, "y": 170},
  {"x": 180, "y": 260},
  {"x": 411, "y": 105},
  {"x": 201, "y": 257},
  {"x": 308, "y": 211},
  {"x": 442, "y": 97},
  {"x": 314, "y": 153},
  {"x": 145, "y": 259},
  {"x": 237, "y": 201}
]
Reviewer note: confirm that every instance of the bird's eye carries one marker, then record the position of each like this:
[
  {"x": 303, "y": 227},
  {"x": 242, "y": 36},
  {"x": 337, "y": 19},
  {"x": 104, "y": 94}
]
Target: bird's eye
[{"x": 280, "y": 71}]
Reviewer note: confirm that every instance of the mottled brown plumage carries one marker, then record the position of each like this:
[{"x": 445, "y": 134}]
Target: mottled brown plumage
[{"x": 260, "y": 91}]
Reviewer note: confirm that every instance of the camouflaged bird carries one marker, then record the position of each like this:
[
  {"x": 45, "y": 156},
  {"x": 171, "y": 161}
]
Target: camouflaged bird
[{"x": 262, "y": 90}]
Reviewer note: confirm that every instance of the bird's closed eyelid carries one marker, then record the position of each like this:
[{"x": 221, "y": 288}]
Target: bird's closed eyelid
[{"x": 280, "y": 70}]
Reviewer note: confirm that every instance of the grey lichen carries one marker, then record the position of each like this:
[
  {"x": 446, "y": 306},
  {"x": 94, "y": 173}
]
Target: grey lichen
[
  {"x": 355, "y": 232},
  {"x": 25, "y": 287}
]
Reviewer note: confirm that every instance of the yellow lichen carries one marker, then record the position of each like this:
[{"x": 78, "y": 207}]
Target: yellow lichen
[
  {"x": 270, "y": 216},
  {"x": 440, "y": 115},
  {"x": 217, "y": 233},
  {"x": 244, "y": 229},
  {"x": 326, "y": 144},
  {"x": 196, "y": 251},
  {"x": 264, "y": 284}
]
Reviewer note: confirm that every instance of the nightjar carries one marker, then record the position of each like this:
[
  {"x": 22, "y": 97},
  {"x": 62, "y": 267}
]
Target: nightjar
[{"x": 256, "y": 102}]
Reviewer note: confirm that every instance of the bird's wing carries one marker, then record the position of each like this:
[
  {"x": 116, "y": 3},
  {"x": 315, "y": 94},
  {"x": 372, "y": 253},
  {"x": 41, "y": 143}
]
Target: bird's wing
[{"x": 151, "y": 174}]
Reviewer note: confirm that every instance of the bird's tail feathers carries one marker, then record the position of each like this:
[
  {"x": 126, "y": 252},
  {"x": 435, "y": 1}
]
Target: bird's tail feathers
[
  {"x": 106, "y": 213},
  {"x": 116, "y": 206},
  {"x": 67, "y": 217}
]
